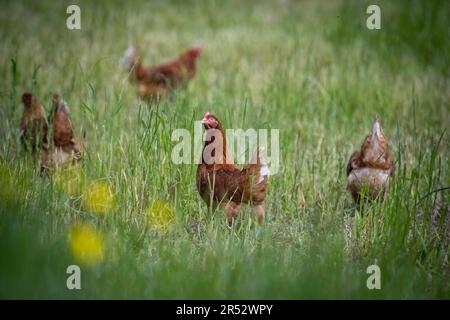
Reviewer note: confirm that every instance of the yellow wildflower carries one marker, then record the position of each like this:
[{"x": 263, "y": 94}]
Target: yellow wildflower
[
  {"x": 86, "y": 244},
  {"x": 161, "y": 216},
  {"x": 98, "y": 197}
]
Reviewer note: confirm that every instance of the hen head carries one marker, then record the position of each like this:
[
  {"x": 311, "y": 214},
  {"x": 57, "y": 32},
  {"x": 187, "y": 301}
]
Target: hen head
[
  {"x": 193, "y": 53},
  {"x": 56, "y": 98},
  {"x": 216, "y": 140},
  {"x": 129, "y": 57},
  {"x": 59, "y": 103},
  {"x": 210, "y": 121},
  {"x": 374, "y": 150},
  {"x": 189, "y": 58},
  {"x": 27, "y": 98}
]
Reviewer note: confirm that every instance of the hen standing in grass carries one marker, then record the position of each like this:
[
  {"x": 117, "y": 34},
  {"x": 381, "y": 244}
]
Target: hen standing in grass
[
  {"x": 222, "y": 184},
  {"x": 370, "y": 168},
  {"x": 160, "y": 81},
  {"x": 66, "y": 148},
  {"x": 33, "y": 127}
]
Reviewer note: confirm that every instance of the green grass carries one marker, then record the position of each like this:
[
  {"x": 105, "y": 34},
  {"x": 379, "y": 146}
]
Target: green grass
[{"x": 312, "y": 70}]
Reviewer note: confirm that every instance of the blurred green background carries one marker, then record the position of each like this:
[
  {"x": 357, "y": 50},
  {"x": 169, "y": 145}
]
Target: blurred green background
[{"x": 309, "y": 68}]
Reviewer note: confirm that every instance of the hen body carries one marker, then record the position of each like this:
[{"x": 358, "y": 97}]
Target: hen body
[
  {"x": 66, "y": 148},
  {"x": 370, "y": 169},
  {"x": 33, "y": 126}
]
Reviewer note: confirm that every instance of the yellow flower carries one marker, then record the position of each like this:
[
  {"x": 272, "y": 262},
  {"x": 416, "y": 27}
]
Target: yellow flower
[
  {"x": 98, "y": 197},
  {"x": 86, "y": 244},
  {"x": 70, "y": 180},
  {"x": 161, "y": 216}
]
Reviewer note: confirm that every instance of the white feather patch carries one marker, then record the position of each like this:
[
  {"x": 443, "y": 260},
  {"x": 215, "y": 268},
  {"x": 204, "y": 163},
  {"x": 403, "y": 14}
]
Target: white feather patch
[
  {"x": 129, "y": 53},
  {"x": 264, "y": 171}
]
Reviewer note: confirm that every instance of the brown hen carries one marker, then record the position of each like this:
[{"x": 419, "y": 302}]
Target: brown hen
[
  {"x": 33, "y": 126},
  {"x": 66, "y": 148},
  {"x": 370, "y": 168},
  {"x": 222, "y": 184},
  {"x": 160, "y": 81}
]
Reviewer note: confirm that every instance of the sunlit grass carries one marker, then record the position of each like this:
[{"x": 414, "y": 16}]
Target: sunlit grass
[
  {"x": 70, "y": 180},
  {"x": 160, "y": 216},
  {"x": 307, "y": 68}
]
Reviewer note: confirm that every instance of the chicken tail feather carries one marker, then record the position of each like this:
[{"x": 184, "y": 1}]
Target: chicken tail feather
[{"x": 258, "y": 166}]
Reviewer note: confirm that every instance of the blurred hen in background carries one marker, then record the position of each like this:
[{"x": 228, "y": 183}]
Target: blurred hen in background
[
  {"x": 160, "y": 81},
  {"x": 33, "y": 126},
  {"x": 66, "y": 148}
]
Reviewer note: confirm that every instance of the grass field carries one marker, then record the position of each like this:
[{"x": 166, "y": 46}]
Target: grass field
[{"x": 311, "y": 69}]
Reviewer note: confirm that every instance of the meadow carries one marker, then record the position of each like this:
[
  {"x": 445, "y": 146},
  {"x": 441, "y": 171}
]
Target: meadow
[{"x": 133, "y": 220}]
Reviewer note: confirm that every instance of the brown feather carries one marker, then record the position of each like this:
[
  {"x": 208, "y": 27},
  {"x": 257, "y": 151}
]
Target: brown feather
[
  {"x": 33, "y": 126},
  {"x": 66, "y": 149},
  {"x": 62, "y": 126}
]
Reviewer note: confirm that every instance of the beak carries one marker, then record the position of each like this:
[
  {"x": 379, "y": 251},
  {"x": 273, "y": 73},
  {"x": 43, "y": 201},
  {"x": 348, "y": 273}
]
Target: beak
[{"x": 205, "y": 123}]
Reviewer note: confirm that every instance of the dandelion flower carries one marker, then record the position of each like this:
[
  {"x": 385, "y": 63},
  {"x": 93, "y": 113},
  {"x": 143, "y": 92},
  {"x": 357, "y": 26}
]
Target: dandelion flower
[
  {"x": 161, "y": 216},
  {"x": 86, "y": 244},
  {"x": 98, "y": 198}
]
